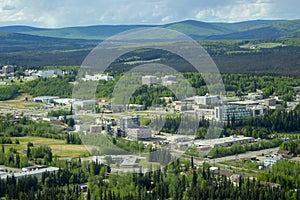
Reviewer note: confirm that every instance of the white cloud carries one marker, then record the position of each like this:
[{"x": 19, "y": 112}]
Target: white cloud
[{"x": 57, "y": 13}]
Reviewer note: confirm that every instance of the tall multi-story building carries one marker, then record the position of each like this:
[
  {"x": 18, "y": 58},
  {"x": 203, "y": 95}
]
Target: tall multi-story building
[
  {"x": 168, "y": 80},
  {"x": 129, "y": 122},
  {"x": 223, "y": 113},
  {"x": 207, "y": 100},
  {"x": 7, "y": 69},
  {"x": 149, "y": 80},
  {"x": 141, "y": 133}
]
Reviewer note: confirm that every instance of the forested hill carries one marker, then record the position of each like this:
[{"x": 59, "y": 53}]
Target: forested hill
[
  {"x": 250, "y": 47},
  {"x": 256, "y": 29}
]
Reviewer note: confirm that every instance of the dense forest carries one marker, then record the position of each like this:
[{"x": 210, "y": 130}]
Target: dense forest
[
  {"x": 180, "y": 180},
  {"x": 270, "y": 56},
  {"x": 241, "y": 84}
]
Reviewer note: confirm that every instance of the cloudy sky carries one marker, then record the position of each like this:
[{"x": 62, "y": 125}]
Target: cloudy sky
[{"x": 61, "y": 13}]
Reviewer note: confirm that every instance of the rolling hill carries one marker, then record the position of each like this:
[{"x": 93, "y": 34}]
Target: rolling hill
[
  {"x": 198, "y": 30},
  {"x": 31, "y": 46}
]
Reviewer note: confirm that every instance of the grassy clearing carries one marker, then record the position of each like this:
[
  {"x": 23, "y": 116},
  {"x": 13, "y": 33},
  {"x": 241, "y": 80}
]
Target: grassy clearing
[
  {"x": 265, "y": 45},
  {"x": 20, "y": 102},
  {"x": 59, "y": 147}
]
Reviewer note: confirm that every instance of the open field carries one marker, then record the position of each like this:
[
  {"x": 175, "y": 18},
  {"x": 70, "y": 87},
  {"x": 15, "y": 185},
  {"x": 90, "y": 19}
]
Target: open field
[
  {"x": 20, "y": 102},
  {"x": 264, "y": 45},
  {"x": 59, "y": 147}
]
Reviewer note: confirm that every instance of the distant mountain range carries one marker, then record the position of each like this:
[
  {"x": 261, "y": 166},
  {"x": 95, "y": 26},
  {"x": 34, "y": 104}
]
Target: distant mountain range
[
  {"x": 257, "y": 29},
  {"x": 31, "y": 46}
]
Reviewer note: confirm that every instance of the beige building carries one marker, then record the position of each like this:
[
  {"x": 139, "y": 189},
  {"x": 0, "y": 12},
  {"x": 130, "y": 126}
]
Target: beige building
[{"x": 140, "y": 133}]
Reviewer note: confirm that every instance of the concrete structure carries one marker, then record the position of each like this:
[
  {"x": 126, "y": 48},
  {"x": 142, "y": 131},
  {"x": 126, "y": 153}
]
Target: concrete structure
[
  {"x": 226, "y": 141},
  {"x": 82, "y": 103},
  {"x": 136, "y": 107},
  {"x": 149, "y": 80},
  {"x": 258, "y": 110},
  {"x": 49, "y": 73},
  {"x": 96, "y": 128},
  {"x": 270, "y": 102},
  {"x": 7, "y": 69},
  {"x": 206, "y": 113},
  {"x": 269, "y": 162},
  {"x": 45, "y": 99},
  {"x": 182, "y": 106},
  {"x": 167, "y": 99},
  {"x": 129, "y": 122},
  {"x": 75, "y": 117},
  {"x": 36, "y": 172},
  {"x": 49, "y": 119},
  {"x": 206, "y": 100},
  {"x": 223, "y": 113},
  {"x": 64, "y": 101},
  {"x": 3, "y": 83},
  {"x": 97, "y": 77},
  {"x": 168, "y": 80},
  {"x": 255, "y": 96},
  {"x": 140, "y": 133}
]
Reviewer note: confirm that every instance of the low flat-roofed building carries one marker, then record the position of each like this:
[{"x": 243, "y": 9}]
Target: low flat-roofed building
[
  {"x": 269, "y": 162},
  {"x": 63, "y": 117},
  {"x": 3, "y": 83},
  {"x": 64, "y": 101},
  {"x": 82, "y": 103},
  {"x": 97, "y": 77},
  {"x": 35, "y": 173},
  {"x": 49, "y": 73},
  {"x": 206, "y": 113},
  {"x": 45, "y": 99},
  {"x": 96, "y": 128},
  {"x": 49, "y": 119},
  {"x": 243, "y": 103},
  {"x": 225, "y": 141},
  {"x": 255, "y": 96},
  {"x": 129, "y": 162},
  {"x": 182, "y": 106}
]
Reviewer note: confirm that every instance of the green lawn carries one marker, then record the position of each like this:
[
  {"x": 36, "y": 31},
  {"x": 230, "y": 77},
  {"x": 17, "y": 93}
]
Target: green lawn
[
  {"x": 59, "y": 147},
  {"x": 20, "y": 102}
]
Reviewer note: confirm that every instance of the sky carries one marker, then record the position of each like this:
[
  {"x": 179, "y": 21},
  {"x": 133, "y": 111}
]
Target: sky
[{"x": 63, "y": 13}]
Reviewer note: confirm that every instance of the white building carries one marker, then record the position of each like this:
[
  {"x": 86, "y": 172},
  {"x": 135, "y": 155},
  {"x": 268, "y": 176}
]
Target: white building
[
  {"x": 255, "y": 96},
  {"x": 49, "y": 73},
  {"x": 45, "y": 99},
  {"x": 3, "y": 83},
  {"x": 82, "y": 103},
  {"x": 206, "y": 100},
  {"x": 37, "y": 172},
  {"x": 97, "y": 77},
  {"x": 223, "y": 113},
  {"x": 258, "y": 110},
  {"x": 168, "y": 80},
  {"x": 64, "y": 101},
  {"x": 269, "y": 162},
  {"x": 270, "y": 102},
  {"x": 7, "y": 69},
  {"x": 225, "y": 141},
  {"x": 140, "y": 133},
  {"x": 149, "y": 80}
]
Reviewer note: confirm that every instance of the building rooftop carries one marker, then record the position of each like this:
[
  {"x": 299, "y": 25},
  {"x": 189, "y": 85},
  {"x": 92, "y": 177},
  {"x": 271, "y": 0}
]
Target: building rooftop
[{"x": 222, "y": 141}]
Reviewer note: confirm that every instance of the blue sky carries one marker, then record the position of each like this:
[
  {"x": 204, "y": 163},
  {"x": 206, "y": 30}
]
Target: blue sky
[{"x": 61, "y": 13}]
